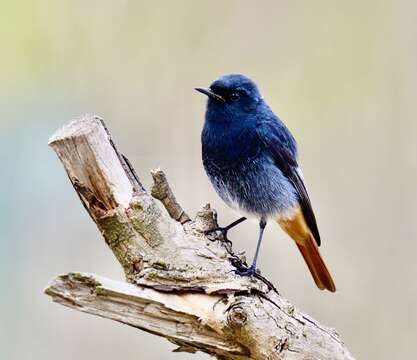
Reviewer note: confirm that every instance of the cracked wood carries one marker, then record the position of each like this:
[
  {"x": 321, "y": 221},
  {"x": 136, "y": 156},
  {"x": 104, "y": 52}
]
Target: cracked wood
[{"x": 180, "y": 284}]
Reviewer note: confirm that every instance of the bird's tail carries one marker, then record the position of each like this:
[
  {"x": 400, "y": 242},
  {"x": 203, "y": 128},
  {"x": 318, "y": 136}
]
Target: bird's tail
[
  {"x": 316, "y": 264},
  {"x": 297, "y": 228}
]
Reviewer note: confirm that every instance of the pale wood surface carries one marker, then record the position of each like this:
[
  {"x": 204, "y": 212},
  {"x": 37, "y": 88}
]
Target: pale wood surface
[{"x": 181, "y": 283}]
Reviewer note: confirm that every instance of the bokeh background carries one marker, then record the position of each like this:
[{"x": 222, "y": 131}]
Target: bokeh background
[{"x": 343, "y": 75}]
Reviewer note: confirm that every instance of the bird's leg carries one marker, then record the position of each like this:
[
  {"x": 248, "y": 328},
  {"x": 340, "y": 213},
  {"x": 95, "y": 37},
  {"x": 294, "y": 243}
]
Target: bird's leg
[
  {"x": 224, "y": 230},
  {"x": 252, "y": 269}
]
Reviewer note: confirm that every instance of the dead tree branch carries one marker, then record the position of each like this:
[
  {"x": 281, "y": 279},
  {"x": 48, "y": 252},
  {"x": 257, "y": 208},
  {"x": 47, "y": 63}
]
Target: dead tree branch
[{"x": 180, "y": 284}]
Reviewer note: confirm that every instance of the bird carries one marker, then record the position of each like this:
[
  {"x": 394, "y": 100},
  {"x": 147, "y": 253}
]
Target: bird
[{"x": 251, "y": 159}]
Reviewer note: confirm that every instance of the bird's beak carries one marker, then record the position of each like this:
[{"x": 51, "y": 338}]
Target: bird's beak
[{"x": 210, "y": 94}]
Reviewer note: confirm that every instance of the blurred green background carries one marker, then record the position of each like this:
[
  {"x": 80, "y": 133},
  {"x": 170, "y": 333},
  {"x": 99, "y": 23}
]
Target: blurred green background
[{"x": 342, "y": 75}]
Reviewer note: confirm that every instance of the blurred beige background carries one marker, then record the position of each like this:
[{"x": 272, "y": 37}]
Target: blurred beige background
[{"x": 343, "y": 75}]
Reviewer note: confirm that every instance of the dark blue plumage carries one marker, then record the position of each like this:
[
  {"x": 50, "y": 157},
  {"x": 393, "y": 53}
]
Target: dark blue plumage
[{"x": 251, "y": 159}]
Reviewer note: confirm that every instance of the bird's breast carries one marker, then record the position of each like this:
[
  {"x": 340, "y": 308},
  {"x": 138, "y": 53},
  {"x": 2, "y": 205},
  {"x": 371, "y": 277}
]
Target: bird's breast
[
  {"x": 255, "y": 187},
  {"x": 227, "y": 146}
]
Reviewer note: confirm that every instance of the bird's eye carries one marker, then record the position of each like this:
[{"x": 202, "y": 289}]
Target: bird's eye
[{"x": 234, "y": 96}]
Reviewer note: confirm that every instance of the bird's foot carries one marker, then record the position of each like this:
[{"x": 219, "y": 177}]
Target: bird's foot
[
  {"x": 216, "y": 232},
  {"x": 250, "y": 271}
]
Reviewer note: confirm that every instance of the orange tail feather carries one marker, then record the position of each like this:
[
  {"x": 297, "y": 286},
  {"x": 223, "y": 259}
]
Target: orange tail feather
[
  {"x": 296, "y": 227},
  {"x": 316, "y": 265}
]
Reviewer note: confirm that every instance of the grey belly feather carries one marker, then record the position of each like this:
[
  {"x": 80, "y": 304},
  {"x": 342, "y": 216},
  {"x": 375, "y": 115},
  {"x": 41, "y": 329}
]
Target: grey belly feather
[{"x": 256, "y": 188}]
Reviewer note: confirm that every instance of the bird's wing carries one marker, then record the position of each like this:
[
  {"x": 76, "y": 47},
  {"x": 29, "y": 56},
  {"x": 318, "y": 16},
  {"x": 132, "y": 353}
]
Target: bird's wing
[{"x": 279, "y": 141}]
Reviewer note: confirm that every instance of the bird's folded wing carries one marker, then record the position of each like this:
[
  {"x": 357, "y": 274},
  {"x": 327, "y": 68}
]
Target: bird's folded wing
[{"x": 280, "y": 143}]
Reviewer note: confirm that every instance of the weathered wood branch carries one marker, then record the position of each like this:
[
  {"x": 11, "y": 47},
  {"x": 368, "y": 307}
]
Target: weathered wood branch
[{"x": 181, "y": 284}]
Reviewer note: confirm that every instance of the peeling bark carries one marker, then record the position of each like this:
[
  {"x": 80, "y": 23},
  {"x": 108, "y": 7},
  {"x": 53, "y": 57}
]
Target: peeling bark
[{"x": 180, "y": 284}]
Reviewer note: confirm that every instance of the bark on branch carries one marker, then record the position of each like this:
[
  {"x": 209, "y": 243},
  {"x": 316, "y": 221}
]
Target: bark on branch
[{"x": 180, "y": 284}]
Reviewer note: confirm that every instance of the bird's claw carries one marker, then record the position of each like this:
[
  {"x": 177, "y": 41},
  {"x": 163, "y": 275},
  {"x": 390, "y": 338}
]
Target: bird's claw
[
  {"x": 250, "y": 271},
  {"x": 217, "y": 231}
]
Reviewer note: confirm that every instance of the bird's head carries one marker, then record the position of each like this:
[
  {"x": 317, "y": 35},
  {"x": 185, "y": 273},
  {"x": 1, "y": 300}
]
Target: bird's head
[{"x": 231, "y": 96}]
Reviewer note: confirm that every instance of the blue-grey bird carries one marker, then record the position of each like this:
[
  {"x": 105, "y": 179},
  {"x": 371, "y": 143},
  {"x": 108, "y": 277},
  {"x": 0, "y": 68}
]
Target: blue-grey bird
[{"x": 251, "y": 159}]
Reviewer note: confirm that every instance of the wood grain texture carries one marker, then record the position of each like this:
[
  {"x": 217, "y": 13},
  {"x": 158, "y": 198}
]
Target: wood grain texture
[{"x": 180, "y": 285}]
